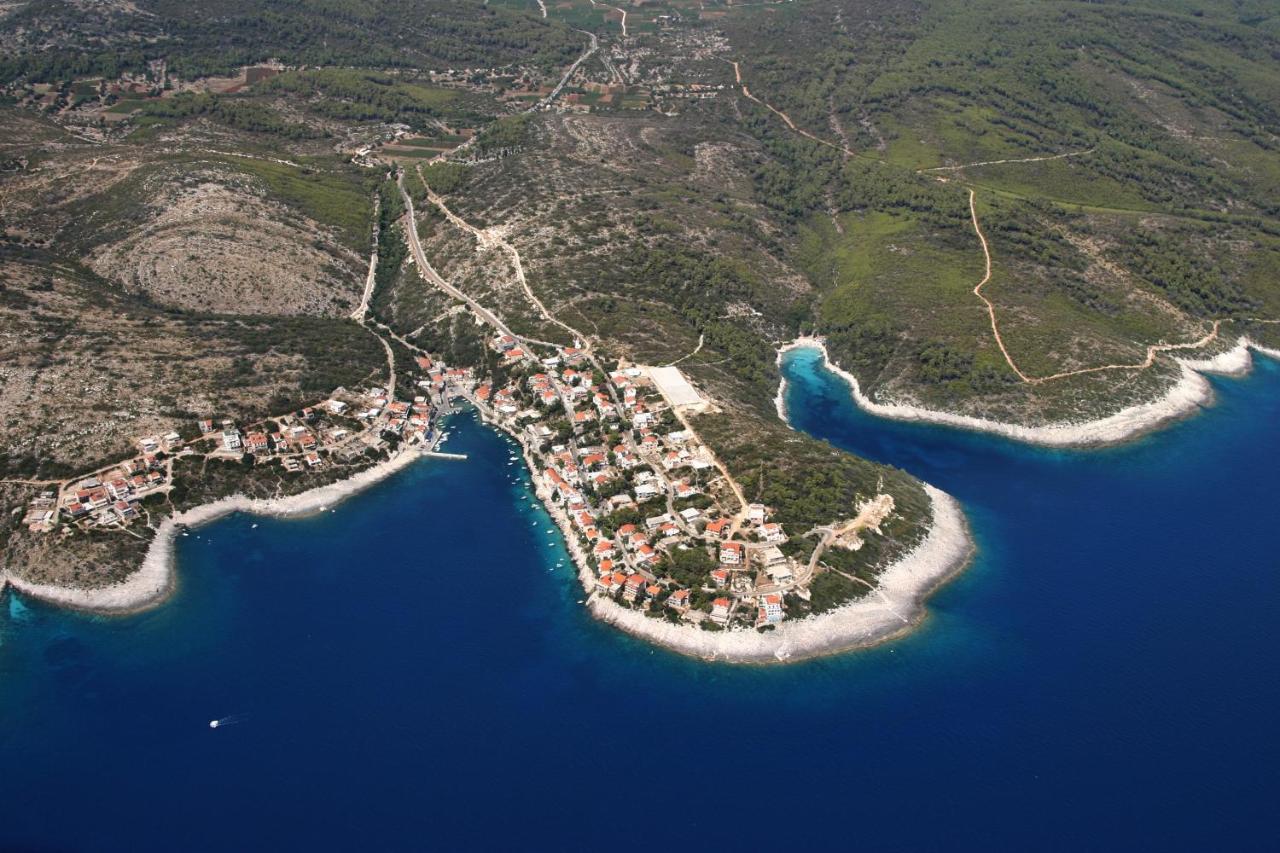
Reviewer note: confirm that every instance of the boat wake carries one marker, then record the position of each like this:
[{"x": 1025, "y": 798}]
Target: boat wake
[{"x": 228, "y": 721}]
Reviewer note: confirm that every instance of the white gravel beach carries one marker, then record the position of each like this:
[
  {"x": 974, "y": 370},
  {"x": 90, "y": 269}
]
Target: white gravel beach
[
  {"x": 892, "y": 609},
  {"x": 155, "y": 580},
  {"x": 1186, "y": 396},
  {"x": 895, "y": 607}
]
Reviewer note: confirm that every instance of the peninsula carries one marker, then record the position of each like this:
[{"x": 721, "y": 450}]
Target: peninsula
[{"x": 263, "y": 278}]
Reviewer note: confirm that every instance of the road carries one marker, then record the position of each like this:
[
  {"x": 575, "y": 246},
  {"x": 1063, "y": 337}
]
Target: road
[
  {"x": 429, "y": 274},
  {"x": 737, "y": 77},
  {"x": 621, "y": 11},
  {"x": 1002, "y": 162},
  {"x": 696, "y": 350},
  {"x": 1152, "y": 351},
  {"x": 432, "y": 277},
  {"x": 363, "y": 308},
  {"x": 592, "y": 47},
  {"x": 872, "y": 514},
  {"x": 491, "y": 238},
  {"x": 741, "y": 515}
]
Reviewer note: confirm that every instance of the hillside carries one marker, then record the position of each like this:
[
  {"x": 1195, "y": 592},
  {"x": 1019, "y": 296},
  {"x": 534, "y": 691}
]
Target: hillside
[{"x": 1005, "y": 210}]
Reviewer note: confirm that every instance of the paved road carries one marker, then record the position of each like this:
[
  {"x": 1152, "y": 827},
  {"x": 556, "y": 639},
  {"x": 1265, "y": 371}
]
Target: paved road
[{"x": 428, "y": 272}]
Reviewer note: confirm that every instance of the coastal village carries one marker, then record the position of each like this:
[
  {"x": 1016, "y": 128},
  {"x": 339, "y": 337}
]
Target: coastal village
[
  {"x": 652, "y": 518},
  {"x": 345, "y": 432}
]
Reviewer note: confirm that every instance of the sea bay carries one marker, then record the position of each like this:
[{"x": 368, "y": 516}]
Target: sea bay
[{"x": 413, "y": 669}]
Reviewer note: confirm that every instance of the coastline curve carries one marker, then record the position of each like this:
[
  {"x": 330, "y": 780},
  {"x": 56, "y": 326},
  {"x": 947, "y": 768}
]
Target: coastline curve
[
  {"x": 895, "y": 607},
  {"x": 155, "y": 581},
  {"x": 1185, "y": 397}
]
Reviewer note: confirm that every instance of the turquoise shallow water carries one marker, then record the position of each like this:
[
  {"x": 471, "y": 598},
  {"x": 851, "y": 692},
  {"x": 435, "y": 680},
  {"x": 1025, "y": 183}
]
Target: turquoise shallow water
[{"x": 414, "y": 671}]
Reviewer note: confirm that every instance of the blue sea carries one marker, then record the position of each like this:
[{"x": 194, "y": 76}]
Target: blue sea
[{"x": 414, "y": 670}]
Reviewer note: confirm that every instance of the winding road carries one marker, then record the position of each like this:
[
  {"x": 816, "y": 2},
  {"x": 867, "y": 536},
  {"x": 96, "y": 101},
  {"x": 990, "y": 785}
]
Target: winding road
[
  {"x": 1152, "y": 351},
  {"x": 429, "y": 274},
  {"x": 1012, "y": 160},
  {"x": 737, "y": 78},
  {"x": 491, "y": 238}
]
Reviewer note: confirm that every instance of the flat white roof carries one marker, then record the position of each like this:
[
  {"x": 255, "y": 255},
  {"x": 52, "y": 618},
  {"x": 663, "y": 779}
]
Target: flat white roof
[{"x": 674, "y": 386}]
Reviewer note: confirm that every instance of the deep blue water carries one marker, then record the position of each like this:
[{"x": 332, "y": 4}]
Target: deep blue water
[{"x": 413, "y": 671}]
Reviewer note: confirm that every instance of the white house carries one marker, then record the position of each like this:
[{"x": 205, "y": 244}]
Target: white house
[{"x": 770, "y": 610}]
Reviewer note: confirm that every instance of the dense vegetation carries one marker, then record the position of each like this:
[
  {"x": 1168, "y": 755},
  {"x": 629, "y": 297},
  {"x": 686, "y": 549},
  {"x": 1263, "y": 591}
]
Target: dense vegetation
[
  {"x": 392, "y": 248},
  {"x": 713, "y": 231},
  {"x": 356, "y": 96},
  {"x": 218, "y": 36},
  {"x": 1167, "y": 110},
  {"x": 232, "y": 112}
]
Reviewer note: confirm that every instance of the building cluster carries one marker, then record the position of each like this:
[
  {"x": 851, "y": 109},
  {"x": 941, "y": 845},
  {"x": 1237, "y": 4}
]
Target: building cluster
[
  {"x": 689, "y": 91},
  {"x": 339, "y": 431},
  {"x": 637, "y": 488},
  {"x": 633, "y": 483},
  {"x": 112, "y": 497}
]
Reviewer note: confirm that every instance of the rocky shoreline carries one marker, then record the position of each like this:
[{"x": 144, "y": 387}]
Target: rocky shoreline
[
  {"x": 1188, "y": 395},
  {"x": 156, "y": 579},
  {"x": 893, "y": 608}
]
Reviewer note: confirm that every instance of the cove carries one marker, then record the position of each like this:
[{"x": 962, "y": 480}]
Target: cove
[{"x": 413, "y": 670}]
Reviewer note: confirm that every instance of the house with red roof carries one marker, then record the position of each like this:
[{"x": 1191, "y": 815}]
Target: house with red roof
[
  {"x": 770, "y": 610},
  {"x": 718, "y": 528},
  {"x": 772, "y": 532},
  {"x": 631, "y": 589},
  {"x": 720, "y": 610},
  {"x": 731, "y": 553}
]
